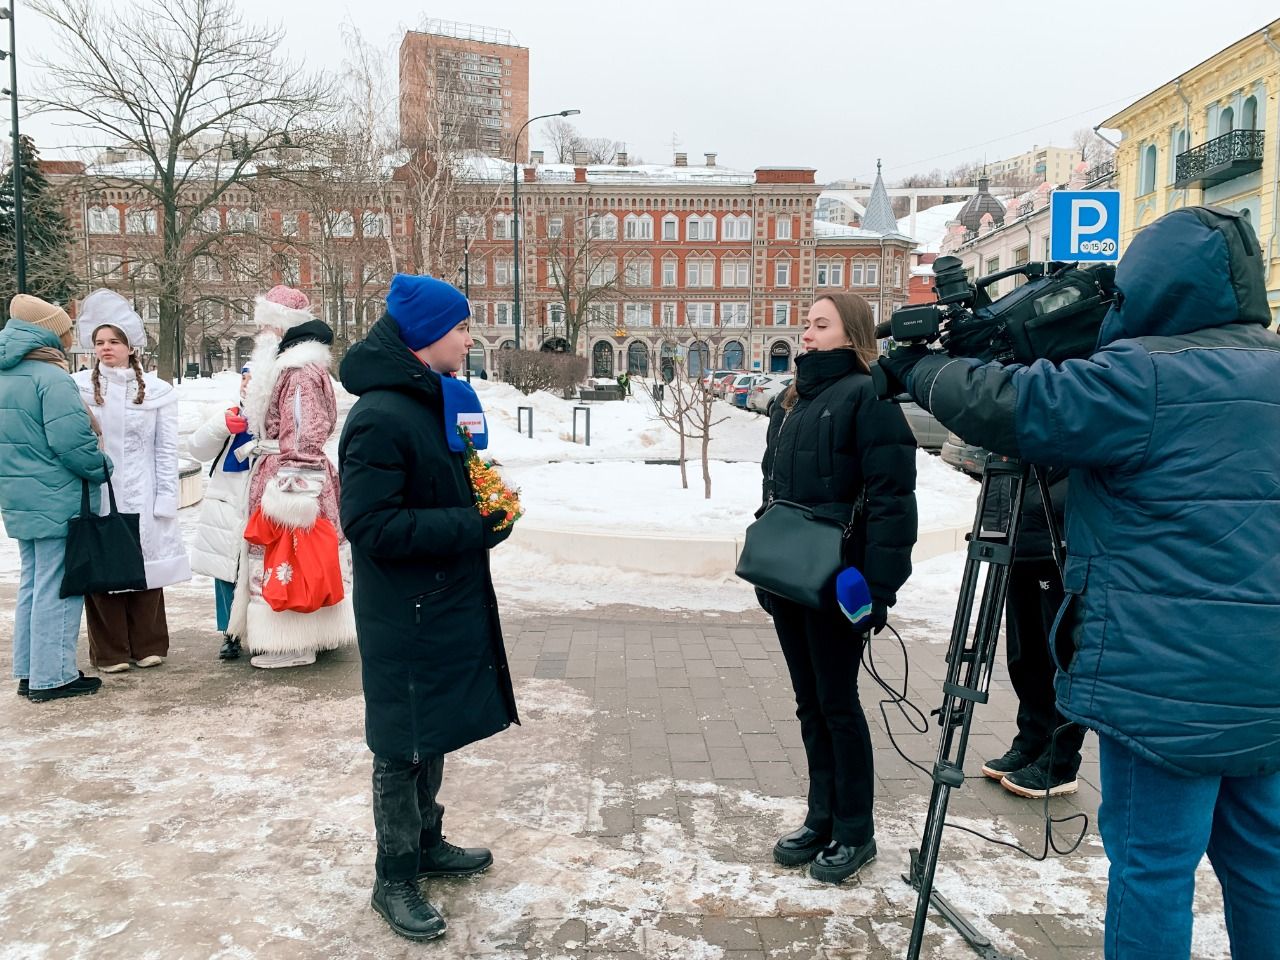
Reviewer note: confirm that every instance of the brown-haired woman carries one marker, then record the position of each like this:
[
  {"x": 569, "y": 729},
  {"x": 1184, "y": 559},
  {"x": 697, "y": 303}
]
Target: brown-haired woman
[
  {"x": 139, "y": 416},
  {"x": 832, "y": 444}
]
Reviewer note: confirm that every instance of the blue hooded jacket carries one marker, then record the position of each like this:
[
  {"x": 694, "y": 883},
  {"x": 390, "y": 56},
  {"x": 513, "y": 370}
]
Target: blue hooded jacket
[
  {"x": 47, "y": 443},
  {"x": 1172, "y": 431}
]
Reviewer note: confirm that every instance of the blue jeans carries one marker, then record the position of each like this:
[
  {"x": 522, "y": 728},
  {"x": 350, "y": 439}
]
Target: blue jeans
[
  {"x": 45, "y": 627},
  {"x": 1156, "y": 826},
  {"x": 223, "y": 595}
]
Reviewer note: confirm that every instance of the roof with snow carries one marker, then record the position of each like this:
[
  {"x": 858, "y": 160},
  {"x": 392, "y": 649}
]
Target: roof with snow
[
  {"x": 481, "y": 167},
  {"x": 825, "y": 230},
  {"x": 931, "y": 225}
]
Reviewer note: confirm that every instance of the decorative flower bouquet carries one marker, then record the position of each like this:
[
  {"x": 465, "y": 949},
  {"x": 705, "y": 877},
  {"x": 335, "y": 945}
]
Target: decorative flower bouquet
[{"x": 491, "y": 493}]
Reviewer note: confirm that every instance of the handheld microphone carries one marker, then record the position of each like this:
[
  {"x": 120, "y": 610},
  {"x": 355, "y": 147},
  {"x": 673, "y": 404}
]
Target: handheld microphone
[{"x": 854, "y": 596}]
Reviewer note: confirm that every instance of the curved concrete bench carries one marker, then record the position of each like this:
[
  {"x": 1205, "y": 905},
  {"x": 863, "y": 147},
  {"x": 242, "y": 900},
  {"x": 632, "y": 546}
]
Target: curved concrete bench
[
  {"x": 691, "y": 556},
  {"x": 190, "y": 482}
]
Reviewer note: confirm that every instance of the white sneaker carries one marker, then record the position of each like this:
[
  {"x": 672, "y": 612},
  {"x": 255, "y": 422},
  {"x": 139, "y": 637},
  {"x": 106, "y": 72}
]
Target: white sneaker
[
  {"x": 115, "y": 668},
  {"x": 151, "y": 661},
  {"x": 274, "y": 661}
]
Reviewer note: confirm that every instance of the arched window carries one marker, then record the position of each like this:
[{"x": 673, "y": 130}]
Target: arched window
[
  {"x": 699, "y": 358},
  {"x": 734, "y": 355},
  {"x": 637, "y": 359},
  {"x": 1226, "y": 121},
  {"x": 602, "y": 359},
  {"x": 1147, "y": 175},
  {"x": 104, "y": 220},
  {"x": 1249, "y": 114}
]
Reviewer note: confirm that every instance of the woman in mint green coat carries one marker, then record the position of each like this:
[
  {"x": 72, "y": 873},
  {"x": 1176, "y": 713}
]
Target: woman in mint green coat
[{"x": 48, "y": 445}]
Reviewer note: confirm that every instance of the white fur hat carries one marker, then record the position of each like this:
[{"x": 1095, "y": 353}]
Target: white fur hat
[
  {"x": 282, "y": 307},
  {"x": 105, "y": 306}
]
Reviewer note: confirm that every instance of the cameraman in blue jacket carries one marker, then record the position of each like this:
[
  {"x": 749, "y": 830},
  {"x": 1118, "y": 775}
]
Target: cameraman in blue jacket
[{"x": 1171, "y": 430}]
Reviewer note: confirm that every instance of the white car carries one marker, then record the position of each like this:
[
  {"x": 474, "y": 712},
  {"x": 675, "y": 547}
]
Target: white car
[{"x": 766, "y": 390}]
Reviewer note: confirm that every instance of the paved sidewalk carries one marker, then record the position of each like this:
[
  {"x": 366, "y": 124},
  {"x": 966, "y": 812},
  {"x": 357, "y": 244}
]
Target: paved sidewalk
[{"x": 211, "y": 810}]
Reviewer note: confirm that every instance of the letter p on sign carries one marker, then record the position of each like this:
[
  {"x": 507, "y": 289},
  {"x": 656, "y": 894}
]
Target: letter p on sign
[{"x": 1084, "y": 225}]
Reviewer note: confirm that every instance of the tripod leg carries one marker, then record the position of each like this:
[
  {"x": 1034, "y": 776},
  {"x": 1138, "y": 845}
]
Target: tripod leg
[{"x": 961, "y": 695}]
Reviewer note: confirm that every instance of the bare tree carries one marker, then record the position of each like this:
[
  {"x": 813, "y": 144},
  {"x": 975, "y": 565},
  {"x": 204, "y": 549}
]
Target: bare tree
[
  {"x": 199, "y": 96},
  {"x": 687, "y": 407},
  {"x": 565, "y": 142},
  {"x": 584, "y": 273},
  {"x": 1090, "y": 147}
]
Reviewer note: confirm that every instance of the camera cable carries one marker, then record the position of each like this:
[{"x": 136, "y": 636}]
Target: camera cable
[{"x": 916, "y": 718}]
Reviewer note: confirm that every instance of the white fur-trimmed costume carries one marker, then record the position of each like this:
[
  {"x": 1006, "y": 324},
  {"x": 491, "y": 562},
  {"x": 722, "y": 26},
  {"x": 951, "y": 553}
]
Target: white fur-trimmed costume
[{"x": 292, "y": 413}]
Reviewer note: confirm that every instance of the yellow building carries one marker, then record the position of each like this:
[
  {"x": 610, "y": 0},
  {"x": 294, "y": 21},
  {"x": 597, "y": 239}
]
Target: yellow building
[{"x": 1210, "y": 136}]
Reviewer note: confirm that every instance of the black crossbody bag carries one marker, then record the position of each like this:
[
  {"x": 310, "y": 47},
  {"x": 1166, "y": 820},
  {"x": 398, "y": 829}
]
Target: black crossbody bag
[{"x": 795, "y": 552}]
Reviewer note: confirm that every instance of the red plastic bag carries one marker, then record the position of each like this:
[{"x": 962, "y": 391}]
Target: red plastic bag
[{"x": 301, "y": 570}]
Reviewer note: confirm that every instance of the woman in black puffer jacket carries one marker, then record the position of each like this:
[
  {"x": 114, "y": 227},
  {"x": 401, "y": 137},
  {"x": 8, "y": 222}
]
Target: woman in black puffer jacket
[{"x": 833, "y": 444}]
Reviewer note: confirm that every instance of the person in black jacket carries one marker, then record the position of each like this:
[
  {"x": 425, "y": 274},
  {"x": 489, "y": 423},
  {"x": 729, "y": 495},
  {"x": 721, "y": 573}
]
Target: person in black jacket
[
  {"x": 434, "y": 667},
  {"x": 833, "y": 445},
  {"x": 1038, "y": 761}
]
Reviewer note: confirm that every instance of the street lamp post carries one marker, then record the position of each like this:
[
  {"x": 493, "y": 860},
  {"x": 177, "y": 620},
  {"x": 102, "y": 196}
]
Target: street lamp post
[
  {"x": 515, "y": 207},
  {"x": 19, "y": 226}
]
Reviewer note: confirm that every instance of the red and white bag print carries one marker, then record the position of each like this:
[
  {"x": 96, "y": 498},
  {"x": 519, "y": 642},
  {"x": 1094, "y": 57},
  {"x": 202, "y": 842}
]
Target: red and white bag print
[{"x": 301, "y": 570}]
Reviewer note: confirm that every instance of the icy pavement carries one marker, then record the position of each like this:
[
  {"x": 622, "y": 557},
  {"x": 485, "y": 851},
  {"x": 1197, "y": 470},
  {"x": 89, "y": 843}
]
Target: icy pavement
[{"x": 207, "y": 810}]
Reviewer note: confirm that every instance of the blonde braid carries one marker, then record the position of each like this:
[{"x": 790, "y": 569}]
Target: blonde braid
[
  {"x": 97, "y": 383},
  {"x": 137, "y": 372}
]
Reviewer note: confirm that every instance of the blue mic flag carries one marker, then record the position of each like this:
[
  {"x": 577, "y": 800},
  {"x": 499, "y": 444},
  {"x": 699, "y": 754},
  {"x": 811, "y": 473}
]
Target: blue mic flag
[
  {"x": 462, "y": 409},
  {"x": 854, "y": 596}
]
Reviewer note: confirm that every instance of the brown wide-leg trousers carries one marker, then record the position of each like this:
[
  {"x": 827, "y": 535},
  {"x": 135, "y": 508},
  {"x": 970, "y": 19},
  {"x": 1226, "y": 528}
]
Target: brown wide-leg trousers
[{"x": 126, "y": 626}]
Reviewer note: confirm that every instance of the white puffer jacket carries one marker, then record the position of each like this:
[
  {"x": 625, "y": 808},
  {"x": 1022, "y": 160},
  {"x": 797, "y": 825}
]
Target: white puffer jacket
[{"x": 215, "y": 551}]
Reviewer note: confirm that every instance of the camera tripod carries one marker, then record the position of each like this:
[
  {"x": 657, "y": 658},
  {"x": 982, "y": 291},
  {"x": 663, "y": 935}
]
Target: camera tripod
[{"x": 970, "y": 659}]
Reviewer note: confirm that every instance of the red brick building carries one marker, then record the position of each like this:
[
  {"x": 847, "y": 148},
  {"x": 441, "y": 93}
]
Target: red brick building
[{"x": 717, "y": 264}]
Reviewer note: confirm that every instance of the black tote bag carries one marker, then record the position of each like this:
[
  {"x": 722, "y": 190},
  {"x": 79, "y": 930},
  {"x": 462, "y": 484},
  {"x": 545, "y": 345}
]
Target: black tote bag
[
  {"x": 793, "y": 552},
  {"x": 104, "y": 554}
]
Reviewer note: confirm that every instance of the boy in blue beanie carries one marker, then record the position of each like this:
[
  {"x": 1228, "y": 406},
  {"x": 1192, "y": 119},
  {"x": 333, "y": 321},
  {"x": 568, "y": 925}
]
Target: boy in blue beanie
[{"x": 432, "y": 659}]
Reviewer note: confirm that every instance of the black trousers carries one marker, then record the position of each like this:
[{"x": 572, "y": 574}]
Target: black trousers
[
  {"x": 823, "y": 653},
  {"x": 1035, "y": 595},
  {"x": 406, "y": 813}
]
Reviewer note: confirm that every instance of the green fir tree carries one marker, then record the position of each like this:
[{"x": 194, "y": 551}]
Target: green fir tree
[{"x": 50, "y": 271}]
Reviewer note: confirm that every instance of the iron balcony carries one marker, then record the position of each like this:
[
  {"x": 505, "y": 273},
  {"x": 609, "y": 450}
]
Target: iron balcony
[{"x": 1223, "y": 158}]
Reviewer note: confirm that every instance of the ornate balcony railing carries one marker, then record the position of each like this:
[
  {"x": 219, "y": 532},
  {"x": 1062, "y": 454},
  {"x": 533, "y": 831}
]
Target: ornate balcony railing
[
  {"x": 1102, "y": 171},
  {"x": 1220, "y": 159}
]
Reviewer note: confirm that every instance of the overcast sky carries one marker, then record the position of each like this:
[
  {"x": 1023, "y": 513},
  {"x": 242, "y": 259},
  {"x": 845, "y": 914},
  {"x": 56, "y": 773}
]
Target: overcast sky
[{"x": 801, "y": 83}]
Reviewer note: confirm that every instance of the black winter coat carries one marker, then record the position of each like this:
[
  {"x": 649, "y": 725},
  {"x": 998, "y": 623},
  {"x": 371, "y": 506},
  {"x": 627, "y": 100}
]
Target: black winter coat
[
  {"x": 434, "y": 667},
  {"x": 839, "y": 445}
]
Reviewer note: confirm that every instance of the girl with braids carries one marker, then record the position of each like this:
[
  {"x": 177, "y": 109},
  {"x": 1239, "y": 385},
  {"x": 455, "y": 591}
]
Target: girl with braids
[{"x": 139, "y": 417}]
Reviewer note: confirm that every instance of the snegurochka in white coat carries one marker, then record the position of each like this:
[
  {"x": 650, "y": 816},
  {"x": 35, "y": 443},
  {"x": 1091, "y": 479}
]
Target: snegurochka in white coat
[{"x": 138, "y": 415}]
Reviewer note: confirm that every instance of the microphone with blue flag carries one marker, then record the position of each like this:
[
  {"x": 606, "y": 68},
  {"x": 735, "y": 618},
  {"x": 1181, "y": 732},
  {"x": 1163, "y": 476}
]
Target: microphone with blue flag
[
  {"x": 462, "y": 409},
  {"x": 854, "y": 597}
]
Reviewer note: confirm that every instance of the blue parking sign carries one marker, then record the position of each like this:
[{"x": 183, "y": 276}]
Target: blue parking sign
[{"x": 1084, "y": 225}]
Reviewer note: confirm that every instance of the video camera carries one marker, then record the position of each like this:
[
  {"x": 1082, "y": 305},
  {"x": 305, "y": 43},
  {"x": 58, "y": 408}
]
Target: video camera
[{"x": 1055, "y": 315}]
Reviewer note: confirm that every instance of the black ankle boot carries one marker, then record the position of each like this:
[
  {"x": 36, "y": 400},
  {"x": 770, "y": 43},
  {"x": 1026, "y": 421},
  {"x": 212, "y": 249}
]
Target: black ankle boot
[
  {"x": 401, "y": 905},
  {"x": 230, "y": 649},
  {"x": 839, "y": 861},
  {"x": 798, "y": 847},
  {"x": 445, "y": 860}
]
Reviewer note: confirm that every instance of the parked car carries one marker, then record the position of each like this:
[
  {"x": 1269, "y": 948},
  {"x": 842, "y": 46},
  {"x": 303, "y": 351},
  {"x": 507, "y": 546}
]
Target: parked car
[
  {"x": 929, "y": 433},
  {"x": 713, "y": 376},
  {"x": 966, "y": 457},
  {"x": 766, "y": 391},
  {"x": 741, "y": 386},
  {"x": 721, "y": 385}
]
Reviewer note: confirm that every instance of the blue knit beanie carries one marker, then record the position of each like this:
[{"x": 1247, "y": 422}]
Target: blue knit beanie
[{"x": 424, "y": 308}]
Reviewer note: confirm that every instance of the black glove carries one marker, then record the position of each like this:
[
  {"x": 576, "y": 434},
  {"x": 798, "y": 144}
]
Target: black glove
[
  {"x": 898, "y": 363},
  {"x": 492, "y": 535},
  {"x": 879, "y": 616}
]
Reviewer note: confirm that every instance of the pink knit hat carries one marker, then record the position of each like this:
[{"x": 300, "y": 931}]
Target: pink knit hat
[{"x": 283, "y": 307}]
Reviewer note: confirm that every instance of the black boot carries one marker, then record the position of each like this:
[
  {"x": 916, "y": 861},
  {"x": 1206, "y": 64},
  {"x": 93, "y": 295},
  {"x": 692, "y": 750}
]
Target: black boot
[
  {"x": 401, "y": 905},
  {"x": 838, "y": 862},
  {"x": 76, "y": 688},
  {"x": 24, "y": 687},
  {"x": 230, "y": 649},
  {"x": 798, "y": 847},
  {"x": 445, "y": 860}
]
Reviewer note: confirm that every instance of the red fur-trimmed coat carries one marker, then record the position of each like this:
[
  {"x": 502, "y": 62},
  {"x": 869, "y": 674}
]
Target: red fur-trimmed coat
[{"x": 292, "y": 412}]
